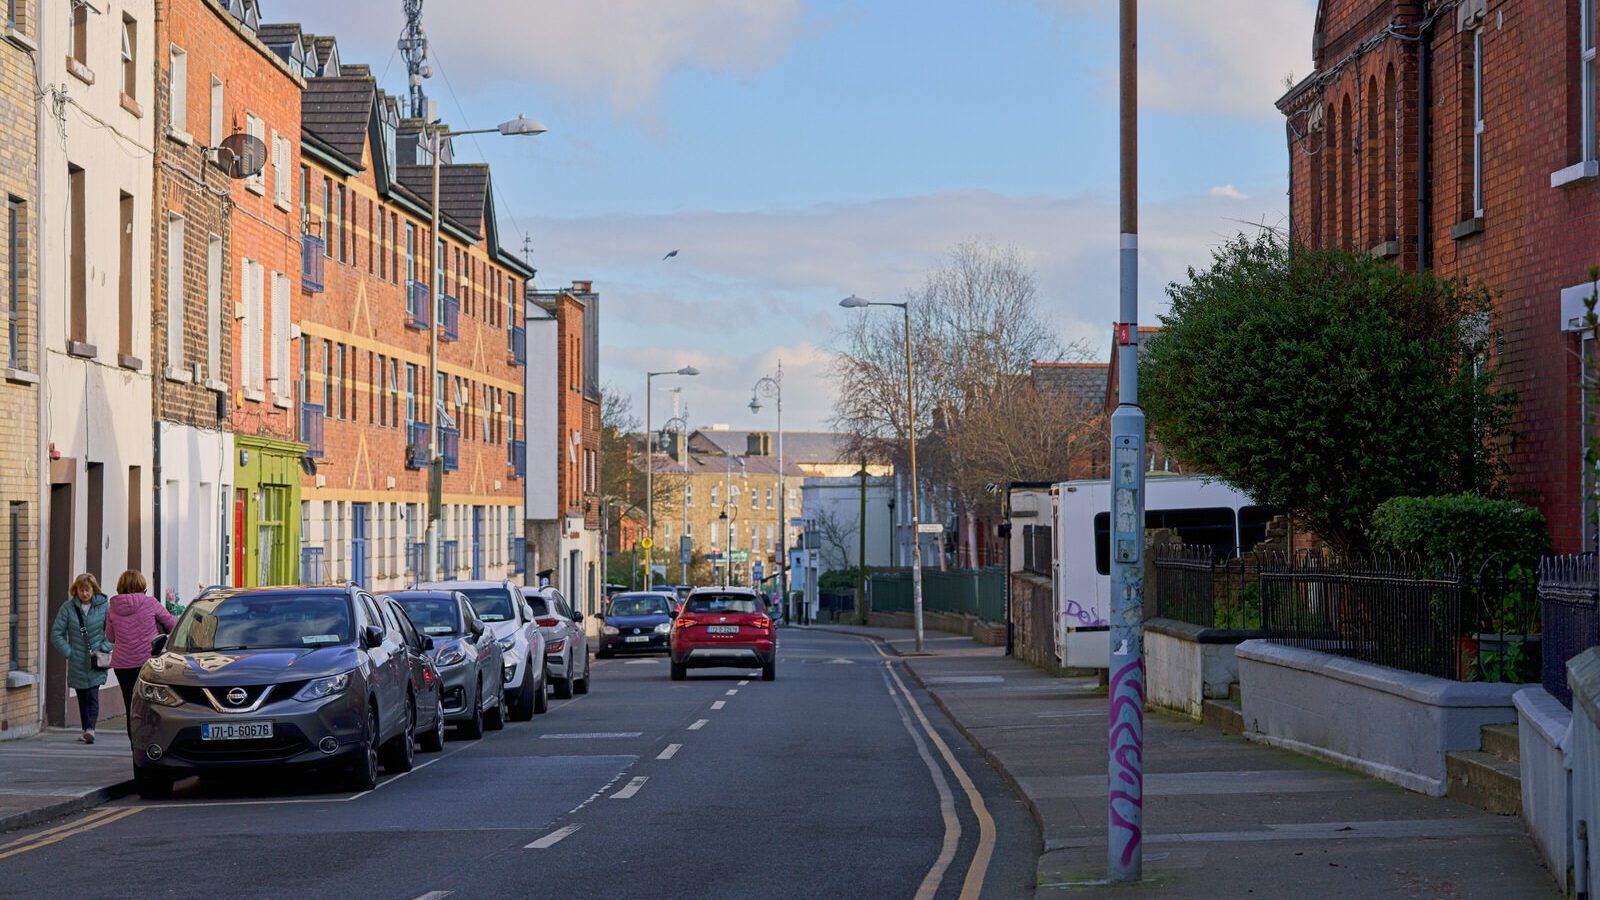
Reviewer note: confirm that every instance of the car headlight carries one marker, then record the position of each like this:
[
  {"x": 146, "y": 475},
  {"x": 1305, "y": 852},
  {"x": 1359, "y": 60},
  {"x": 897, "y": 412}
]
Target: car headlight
[
  {"x": 455, "y": 656},
  {"x": 664, "y": 628},
  {"x": 609, "y": 629},
  {"x": 159, "y": 694},
  {"x": 506, "y": 643},
  {"x": 324, "y": 687}
]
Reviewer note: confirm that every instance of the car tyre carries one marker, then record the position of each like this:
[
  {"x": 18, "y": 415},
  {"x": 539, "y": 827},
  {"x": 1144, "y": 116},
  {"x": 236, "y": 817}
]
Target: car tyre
[
  {"x": 563, "y": 686},
  {"x": 364, "y": 772},
  {"x": 433, "y": 740},
  {"x": 541, "y": 700},
  {"x": 151, "y": 785},
  {"x": 472, "y": 728},
  {"x": 495, "y": 718},
  {"x": 769, "y": 672},
  {"x": 679, "y": 671},
  {"x": 581, "y": 685},
  {"x": 602, "y": 654},
  {"x": 525, "y": 706},
  {"x": 400, "y": 754}
]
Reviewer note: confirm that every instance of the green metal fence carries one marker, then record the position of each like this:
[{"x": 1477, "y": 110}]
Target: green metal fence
[{"x": 974, "y": 592}]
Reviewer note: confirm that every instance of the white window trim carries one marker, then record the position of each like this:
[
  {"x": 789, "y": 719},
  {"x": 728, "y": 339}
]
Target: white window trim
[
  {"x": 218, "y": 108},
  {"x": 177, "y": 303},
  {"x": 1477, "y": 123},
  {"x": 178, "y": 95},
  {"x": 281, "y": 151},
  {"x": 257, "y": 183}
]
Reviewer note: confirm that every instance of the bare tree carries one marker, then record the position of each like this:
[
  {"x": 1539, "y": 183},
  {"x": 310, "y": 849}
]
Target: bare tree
[
  {"x": 622, "y": 477},
  {"x": 835, "y": 535}
]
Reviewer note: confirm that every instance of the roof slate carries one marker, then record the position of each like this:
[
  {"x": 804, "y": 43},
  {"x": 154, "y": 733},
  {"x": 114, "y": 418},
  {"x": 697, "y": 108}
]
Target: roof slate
[
  {"x": 338, "y": 111},
  {"x": 463, "y": 191}
]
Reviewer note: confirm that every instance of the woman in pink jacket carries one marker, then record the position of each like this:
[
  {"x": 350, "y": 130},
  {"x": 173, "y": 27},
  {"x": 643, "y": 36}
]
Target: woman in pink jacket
[{"x": 133, "y": 622}]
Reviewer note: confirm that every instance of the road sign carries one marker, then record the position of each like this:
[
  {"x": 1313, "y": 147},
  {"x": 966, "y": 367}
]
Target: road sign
[
  {"x": 714, "y": 556},
  {"x": 738, "y": 556},
  {"x": 758, "y": 571},
  {"x": 685, "y": 550},
  {"x": 646, "y": 543},
  {"x": 930, "y": 528},
  {"x": 797, "y": 523}
]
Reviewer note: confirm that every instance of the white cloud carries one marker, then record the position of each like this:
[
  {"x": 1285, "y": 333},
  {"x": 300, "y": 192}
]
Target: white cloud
[
  {"x": 1228, "y": 192},
  {"x": 1228, "y": 57},
  {"x": 615, "y": 51}
]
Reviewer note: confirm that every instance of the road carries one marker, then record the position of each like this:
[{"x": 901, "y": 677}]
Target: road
[{"x": 839, "y": 779}]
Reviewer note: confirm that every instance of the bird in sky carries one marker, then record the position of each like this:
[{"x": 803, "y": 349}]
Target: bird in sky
[{"x": 669, "y": 256}]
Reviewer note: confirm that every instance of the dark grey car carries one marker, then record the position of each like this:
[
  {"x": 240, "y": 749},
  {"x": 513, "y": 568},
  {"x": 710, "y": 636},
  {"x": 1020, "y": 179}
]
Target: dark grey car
[
  {"x": 466, "y": 655},
  {"x": 274, "y": 677}
]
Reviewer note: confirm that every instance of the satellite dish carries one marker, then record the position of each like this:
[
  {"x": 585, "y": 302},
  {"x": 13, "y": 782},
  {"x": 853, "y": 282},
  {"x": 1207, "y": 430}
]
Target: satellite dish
[{"x": 242, "y": 155}]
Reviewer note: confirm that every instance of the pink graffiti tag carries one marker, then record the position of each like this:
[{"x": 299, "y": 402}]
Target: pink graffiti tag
[{"x": 1126, "y": 747}]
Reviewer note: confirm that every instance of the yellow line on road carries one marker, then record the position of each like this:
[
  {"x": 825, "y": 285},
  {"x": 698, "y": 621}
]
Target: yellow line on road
[
  {"x": 99, "y": 813},
  {"x": 87, "y": 823}
]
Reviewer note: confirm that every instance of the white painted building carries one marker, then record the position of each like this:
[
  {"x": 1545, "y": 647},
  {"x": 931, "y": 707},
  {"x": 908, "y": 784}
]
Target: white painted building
[
  {"x": 98, "y": 64},
  {"x": 540, "y": 487},
  {"x": 197, "y": 474}
]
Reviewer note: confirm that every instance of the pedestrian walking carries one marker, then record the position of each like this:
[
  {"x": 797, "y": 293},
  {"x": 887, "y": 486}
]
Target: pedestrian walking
[
  {"x": 79, "y": 634},
  {"x": 134, "y": 620}
]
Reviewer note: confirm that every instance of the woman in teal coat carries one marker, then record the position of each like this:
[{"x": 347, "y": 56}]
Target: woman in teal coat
[{"x": 79, "y": 629}]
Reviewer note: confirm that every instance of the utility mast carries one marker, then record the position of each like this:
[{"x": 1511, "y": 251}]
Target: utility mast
[{"x": 414, "y": 50}]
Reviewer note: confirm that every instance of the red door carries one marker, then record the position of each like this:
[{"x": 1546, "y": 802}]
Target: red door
[{"x": 239, "y": 498}]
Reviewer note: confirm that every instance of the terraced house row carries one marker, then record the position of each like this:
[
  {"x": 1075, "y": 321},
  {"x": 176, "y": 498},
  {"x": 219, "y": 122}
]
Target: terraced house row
[{"x": 221, "y": 288}]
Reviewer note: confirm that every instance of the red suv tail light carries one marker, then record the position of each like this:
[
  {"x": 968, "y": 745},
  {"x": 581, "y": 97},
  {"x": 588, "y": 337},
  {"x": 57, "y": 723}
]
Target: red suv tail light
[
  {"x": 685, "y": 622},
  {"x": 763, "y": 623},
  {"x": 547, "y": 622},
  {"x": 555, "y": 646}
]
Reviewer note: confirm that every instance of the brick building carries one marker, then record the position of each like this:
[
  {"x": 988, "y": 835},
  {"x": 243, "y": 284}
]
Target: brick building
[
  {"x": 214, "y": 234},
  {"x": 365, "y": 323},
  {"x": 21, "y": 648},
  {"x": 98, "y": 63},
  {"x": 1461, "y": 137}
]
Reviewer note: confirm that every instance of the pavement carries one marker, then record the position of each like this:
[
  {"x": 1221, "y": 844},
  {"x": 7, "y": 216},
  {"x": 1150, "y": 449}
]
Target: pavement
[
  {"x": 51, "y": 774},
  {"x": 1223, "y": 817}
]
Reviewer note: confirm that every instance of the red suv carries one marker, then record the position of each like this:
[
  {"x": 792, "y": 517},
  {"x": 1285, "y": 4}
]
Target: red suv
[{"x": 726, "y": 627}]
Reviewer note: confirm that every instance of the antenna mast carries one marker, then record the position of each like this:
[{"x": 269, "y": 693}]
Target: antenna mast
[{"x": 414, "y": 50}]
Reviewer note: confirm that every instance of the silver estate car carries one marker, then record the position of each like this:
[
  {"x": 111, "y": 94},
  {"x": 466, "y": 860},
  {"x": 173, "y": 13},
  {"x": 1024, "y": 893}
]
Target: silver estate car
[
  {"x": 566, "y": 643},
  {"x": 274, "y": 677},
  {"x": 501, "y": 606},
  {"x": 466, "y": 654}
]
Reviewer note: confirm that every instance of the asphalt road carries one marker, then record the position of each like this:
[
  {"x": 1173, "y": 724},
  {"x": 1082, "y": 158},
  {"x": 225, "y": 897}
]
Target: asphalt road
[{"x": 840, "y": 779}]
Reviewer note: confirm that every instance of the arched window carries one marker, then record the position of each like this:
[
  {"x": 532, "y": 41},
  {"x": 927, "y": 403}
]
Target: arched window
[
  {"x": 1330, "y": 189},
  {"x": 1347, "y": 185},
  {"x": 1391, "y": 149},
  {"x": 1374, "y": 167}
]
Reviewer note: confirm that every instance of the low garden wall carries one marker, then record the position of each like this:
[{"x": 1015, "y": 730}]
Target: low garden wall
[{"x": 1185, "y": 664}]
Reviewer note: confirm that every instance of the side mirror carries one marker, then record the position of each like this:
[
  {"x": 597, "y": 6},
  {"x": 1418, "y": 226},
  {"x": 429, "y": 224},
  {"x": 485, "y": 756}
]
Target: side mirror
[
  {"x": 372, "y": 636},
  {"x": 158, "y": 645},
  {"x": 477, "y": 627},
  {"x": 427, "y": 643}
]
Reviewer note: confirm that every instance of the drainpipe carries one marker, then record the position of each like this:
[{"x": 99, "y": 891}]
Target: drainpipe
[
  {"x": 156, "y": 203},
  {"x": 42, "y": 516},
  {"x": 1424, "y": 119}
]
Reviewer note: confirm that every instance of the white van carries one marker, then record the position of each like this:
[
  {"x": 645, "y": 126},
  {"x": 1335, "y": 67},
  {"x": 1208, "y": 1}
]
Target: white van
[{"x": 1201, "y": 510}]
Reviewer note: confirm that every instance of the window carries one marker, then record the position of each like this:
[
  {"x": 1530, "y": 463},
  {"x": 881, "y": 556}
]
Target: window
[
  {"x": 281, "y": 153},
  {"x": 411, "y": 253},
  {"x": 769, "y": 498},
  {"x": 253, "y": 285},
  {"x": 216, "y": 136},
  {"x": 254, "y": 127},
  {"x": 755, "y": 498},
  {"x": 125, "y": 275},
  {"x": 371, "y": 236},
  {"x": 78, "y": 39},
  {"x": 16, "y": 521},
  {"x": 130, "y": 65},
  {"x": 305, "y": 379},
  {"x": 327, "y": 377},
  {"x": 338, "y": 382},
  {"x": 411, "y": 392},
  {"x": 280, "y": 337},
  {"x": 688, "y": 493},
  {"x": 716, "y": 496},
  {"x": 383, "y": 246},
  {"x": 15, "y": 222},
  {"x": 78, "y": 329},
  {"x": 178, "y": 93},
  {"x": 380, "y": 390},
  {"x": 1477, "y": 124},
  {"x": 327, "y": 218},
  {"x": 770, "y": 543},
  {"x": 394, "y": 247},
  {"x": 177, "y": 306},
  {"x": 1586, "y": 78},
  {"x": 214, "y": 322}
]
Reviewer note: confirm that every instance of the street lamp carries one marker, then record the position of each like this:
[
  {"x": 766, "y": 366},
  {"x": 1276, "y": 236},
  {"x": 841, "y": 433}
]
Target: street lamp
[
  {"x": 650, "y": 466},
  {"x": 772, "y": 386},
  {"x": 678, "y": 426},
  {"x": 521, "y": 126},
  {"x": 854, "y": 302}
]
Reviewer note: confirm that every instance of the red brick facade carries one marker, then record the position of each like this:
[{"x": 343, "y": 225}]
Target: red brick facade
[{"x": 1387, "y": 155}]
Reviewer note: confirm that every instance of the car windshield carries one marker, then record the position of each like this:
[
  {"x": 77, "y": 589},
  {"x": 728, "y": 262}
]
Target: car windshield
[
  {"x": 538, "y": 605},
  {"x": 432, "y": 615},
  {"x": 491, "y": 604},
  {"x": 722, "y": 603},
  {"x": 258, "y": 622},
  {"x": 637, "y": 605}
]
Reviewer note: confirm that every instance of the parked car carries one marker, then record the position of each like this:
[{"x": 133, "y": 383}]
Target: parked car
[
  {"x": 501, "y": 606},
  {"x": 468, "y": 658},
  {"x": 427, "y": 689},
  {"x": 274, "y": 677},
  {"x": 726, "y": 627},
  {"x": 637, "y": 622},
  {"x": 566, "y": 643}
]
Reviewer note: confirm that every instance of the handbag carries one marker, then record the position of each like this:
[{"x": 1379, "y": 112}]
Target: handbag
[{"x": 98, "y": 659}]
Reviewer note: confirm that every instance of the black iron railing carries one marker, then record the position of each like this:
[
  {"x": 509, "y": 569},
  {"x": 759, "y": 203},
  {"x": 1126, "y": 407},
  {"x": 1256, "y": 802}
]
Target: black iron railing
[
  {"x": 1038, "y": 549},
  {"x": 1194, "y": 586},
  {"x": 1569, "y": 597}
]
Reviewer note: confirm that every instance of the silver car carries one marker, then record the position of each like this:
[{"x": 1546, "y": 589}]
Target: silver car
[
  {"x": 274, "y": 677},
  {"x": 466, "y": 655},
  {"x": 566, "y": 643},
  {"x": 501, "y": 606}
]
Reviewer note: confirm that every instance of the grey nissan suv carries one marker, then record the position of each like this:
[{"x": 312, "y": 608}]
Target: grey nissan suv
[{"x": 273, "y": 677}]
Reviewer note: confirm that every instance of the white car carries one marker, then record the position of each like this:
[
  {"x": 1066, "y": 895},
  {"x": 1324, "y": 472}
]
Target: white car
[
  {"x": 566, "y": 641},
  {"x": 501, "y": 606}
]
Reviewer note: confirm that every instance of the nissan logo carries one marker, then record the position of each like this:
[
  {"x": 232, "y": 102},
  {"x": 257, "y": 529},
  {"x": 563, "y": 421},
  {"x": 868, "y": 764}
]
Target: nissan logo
[
  {"x": 636, "y": 631},
  {"x": 238, "y": 696}
]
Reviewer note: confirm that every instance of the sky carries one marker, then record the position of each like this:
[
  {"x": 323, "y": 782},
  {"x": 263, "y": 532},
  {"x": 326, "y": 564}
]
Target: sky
[{"x": 797, "y": 151}]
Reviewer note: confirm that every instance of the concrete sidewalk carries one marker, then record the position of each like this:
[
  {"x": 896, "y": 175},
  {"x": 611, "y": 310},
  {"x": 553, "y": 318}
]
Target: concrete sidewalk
[
  {"x": 51, "y": 774},
  {"x": 1223, "y": 817}
]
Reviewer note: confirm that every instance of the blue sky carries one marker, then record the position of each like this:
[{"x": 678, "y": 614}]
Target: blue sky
[{"x": 795, "y": 151}]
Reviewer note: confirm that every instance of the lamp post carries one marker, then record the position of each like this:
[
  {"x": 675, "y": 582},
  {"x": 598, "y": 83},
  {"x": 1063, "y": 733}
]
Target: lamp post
[
  {"x": 679, "y": 426},
  {"x": 772, "y": 386},
  {"x": 854, "y": 302},
  {"x": 650, "y": 466},
  {"x": 521, "y": 126}
]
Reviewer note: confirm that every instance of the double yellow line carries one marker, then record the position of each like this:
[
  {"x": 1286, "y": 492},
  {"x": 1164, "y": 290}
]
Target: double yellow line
[{"x": 61, "y": 832}]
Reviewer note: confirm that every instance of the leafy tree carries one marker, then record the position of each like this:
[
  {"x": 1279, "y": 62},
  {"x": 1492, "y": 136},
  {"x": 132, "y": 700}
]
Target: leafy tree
[{"x": 1326, "y": 382}]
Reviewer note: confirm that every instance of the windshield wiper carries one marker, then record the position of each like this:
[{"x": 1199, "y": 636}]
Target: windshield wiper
[{"x": 214, "y": 649}]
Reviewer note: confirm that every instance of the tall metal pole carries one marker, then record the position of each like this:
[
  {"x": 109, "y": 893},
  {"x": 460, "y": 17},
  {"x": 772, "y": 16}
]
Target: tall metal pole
[
  {"x": 435, "y": 464},
  {"x": 1125, "y": 800},
  {"x": 649, "y": 481},
  {"x": 911, "y": 435}
]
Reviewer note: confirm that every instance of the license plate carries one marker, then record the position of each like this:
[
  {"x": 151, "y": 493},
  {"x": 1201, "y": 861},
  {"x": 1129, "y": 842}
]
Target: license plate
[
  {"x": 636, "y": 639},
  {"x": 722, "y": 629},
  {"x": 235, "y": 731}
]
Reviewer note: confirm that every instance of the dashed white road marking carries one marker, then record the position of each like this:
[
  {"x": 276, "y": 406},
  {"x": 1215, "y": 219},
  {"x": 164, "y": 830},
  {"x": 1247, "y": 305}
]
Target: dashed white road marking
[
  {"x": 435, "y": 895},
  {"x": 699, "y": 724},
  {"x": 631, "y": 788},
  {"x": 670, "y": 752},
  {"x": 641, "y": 662},
  {"x": 732, "y": 691},
  {"x": 744, "y": 682},
  {"x": 546, "y": 842},
  {"x": 590, "y": 735},
  {"x": 719, "y": 704}
]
